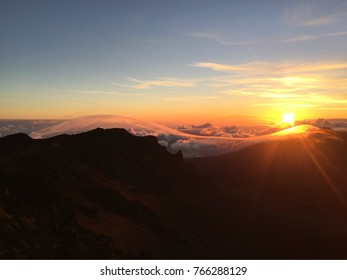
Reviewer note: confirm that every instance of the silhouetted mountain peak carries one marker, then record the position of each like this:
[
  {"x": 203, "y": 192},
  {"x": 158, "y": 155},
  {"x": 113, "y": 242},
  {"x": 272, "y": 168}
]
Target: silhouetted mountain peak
[
  {"x": 15, "y": 139},
  {"x": 14, "y": 142},
  {"x": 115, "y": 153}
]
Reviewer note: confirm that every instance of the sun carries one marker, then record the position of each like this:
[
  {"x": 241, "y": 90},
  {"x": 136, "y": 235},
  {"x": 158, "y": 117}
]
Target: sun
[{"x": 288, "y": 118}]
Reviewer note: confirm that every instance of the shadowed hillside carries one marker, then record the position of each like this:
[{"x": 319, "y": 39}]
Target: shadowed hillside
[
  {"x": 88, "y": 196},
  {"x": 109, "y": 194},
  {"x": 291, "y": 195}
]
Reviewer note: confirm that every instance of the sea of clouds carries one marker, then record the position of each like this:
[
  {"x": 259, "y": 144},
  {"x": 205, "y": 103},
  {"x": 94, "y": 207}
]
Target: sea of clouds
[{"x": 194, "y": 140}]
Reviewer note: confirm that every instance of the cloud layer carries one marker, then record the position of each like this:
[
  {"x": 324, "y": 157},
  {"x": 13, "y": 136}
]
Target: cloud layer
[{"x": 197, "y": 140}]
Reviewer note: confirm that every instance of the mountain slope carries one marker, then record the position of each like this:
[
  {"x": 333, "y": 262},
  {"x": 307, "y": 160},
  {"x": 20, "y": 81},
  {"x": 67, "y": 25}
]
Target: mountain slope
[
  {"x": 67, "y": 187},
  {"x": 291, "y": 195},
  {"x": 110, "y": 194}
]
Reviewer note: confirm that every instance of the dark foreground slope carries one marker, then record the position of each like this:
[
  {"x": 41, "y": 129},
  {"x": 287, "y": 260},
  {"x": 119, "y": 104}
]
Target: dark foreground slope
[
  {"x": 286, "y": 199},
  {"x": 100, "y": 194},
  {"x": 109, "y": 194}
]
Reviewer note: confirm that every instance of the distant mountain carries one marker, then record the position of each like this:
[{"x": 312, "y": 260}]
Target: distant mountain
[{"x": 106, "y": 193}]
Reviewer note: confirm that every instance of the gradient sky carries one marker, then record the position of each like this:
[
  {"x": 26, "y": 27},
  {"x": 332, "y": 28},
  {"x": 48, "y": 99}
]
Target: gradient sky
[{"x": 173, "y": 60}]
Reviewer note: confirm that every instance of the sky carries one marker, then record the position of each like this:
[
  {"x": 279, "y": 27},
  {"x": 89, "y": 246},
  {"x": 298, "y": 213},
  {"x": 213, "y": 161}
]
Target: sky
[{"x": 173, "y": 61}]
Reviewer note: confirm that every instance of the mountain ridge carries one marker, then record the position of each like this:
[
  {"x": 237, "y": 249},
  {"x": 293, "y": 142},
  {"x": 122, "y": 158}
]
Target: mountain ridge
[
  {"x": 109, "y": 194},
  {"x": 78, "y": 168}
]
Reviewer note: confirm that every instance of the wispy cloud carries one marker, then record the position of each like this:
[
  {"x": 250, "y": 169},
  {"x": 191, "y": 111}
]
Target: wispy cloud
[
  {"x": 99, "y": 92},
  {"x": 240, "y": 92},
  {"x": 284, "y": 86},
  {"x": 273, "y": 88},
  {"x": 82, "y": 91},
  {"x": 284, "y": 105},
  {"x": 261, "y": 67},
  {"x": 280, "y": 95},
  {"x": 302, "y": 38},
  {"x": 161, "y": 82},
  {"x": 312, "y": 14},
  {"x": 191, "y": 98},
  {"x": 317, "y": 101},
  {"x": 219, "y": 39},
  {"x": 294, "y": 39}
]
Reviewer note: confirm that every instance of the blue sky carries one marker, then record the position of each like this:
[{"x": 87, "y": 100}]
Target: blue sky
[{"x": 173, "y": 59}]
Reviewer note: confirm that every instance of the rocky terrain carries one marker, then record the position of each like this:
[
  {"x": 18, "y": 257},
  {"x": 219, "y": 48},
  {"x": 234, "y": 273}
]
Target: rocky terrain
[{"x": 108, "y": 194}]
